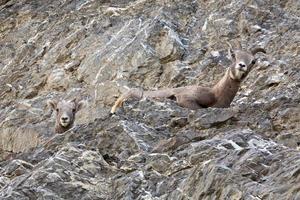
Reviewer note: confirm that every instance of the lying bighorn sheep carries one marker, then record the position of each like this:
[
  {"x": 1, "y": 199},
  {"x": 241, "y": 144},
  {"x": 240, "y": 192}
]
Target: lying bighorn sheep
[
  {"x": 194, "y": 97},
  {"x": 65, "y": 113}
]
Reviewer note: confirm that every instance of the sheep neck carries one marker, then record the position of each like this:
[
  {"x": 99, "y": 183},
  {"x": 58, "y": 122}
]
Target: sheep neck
[
  {"x": 225, "y": 90},
  {"x": 62, "y": 129}
]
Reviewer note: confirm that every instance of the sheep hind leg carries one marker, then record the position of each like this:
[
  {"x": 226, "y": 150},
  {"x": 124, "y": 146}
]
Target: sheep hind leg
[
  {"x": 131, "y": 94},
  {"x": 118, "y": 104}
]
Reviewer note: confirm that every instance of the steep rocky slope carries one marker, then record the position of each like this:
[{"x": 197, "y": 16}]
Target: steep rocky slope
[{"x": 97, "y": 49}]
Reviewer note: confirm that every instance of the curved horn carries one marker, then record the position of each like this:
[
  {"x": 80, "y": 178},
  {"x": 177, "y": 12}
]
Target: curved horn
[
  {"x": 239, "y": 45},
  {"x": 230, "y": 46},
  {"x": 258, "y": 49},
  {"x": 230, "y": 51}
]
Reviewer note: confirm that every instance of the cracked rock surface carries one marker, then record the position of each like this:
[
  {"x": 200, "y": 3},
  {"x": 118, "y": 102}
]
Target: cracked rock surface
[{"x": 95, "y": 50}]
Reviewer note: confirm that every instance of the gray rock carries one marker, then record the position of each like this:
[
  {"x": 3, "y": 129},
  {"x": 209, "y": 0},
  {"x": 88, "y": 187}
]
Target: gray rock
[{"x": 95, "y": 50}]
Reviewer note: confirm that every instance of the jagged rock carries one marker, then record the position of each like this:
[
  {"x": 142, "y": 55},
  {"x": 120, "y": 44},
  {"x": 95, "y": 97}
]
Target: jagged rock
[
  {"x": 210, "y": 117},
  {"x": 58, "y": 80},
  {"x": 96, "y": 50},
  {"x": 18, "y": 139},
  {"x": 16, "y": 168}
]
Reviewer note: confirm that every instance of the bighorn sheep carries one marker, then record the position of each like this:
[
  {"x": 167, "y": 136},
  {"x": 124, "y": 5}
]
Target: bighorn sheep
[
  {"x": 194, "y": 97},
  {"x": 65, "y": 113}
]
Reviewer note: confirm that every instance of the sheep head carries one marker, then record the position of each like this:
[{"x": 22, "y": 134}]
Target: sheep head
[
  {"x": 243, "y": 62},
  {"x": 65, "y": 112}
]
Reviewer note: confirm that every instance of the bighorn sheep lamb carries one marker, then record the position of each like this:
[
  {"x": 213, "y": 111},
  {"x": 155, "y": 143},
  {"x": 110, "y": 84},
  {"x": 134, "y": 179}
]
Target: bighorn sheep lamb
[
  {"x": 194, "y": 97},
  {"x": 65, "y": 113}
]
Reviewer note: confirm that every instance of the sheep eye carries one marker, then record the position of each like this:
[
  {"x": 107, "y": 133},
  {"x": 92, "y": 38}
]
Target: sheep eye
[
  {"x": 57, "y": 110},
  {"x": 253, "y": 62},
  {"x": 73, "y": 110}
]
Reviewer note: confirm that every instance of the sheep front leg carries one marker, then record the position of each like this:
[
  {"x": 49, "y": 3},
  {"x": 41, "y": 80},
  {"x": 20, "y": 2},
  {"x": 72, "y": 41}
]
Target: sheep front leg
[{"x": 187, "y": 101}]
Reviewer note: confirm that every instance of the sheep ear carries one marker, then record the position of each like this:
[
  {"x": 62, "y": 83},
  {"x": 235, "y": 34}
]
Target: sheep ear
[
  {"x": 52, "y": 104},
  {"x": 79, "y": 105},
  {"x": 252, "y": 64}
]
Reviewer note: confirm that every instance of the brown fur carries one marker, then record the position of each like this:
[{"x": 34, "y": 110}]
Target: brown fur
[
  {"x": 194, "y": 97},
  {"x": 65, "y": 113}
]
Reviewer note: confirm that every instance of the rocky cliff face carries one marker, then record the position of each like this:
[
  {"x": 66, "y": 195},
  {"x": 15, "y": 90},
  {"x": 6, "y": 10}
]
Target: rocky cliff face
[{"x": 95, "y": 50}]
